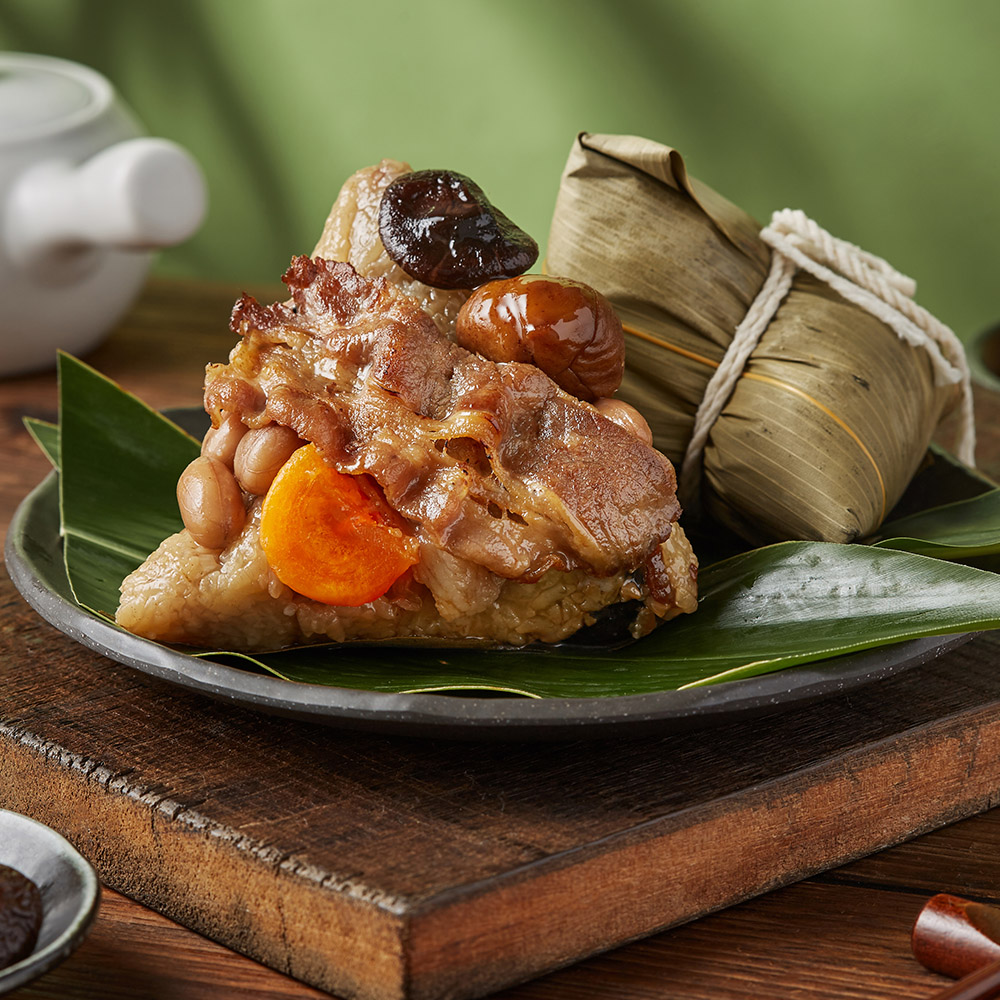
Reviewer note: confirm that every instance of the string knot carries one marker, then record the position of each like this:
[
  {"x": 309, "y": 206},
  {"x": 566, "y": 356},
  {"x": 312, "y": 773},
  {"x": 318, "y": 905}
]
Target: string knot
[{"x": 798, "y": 243}]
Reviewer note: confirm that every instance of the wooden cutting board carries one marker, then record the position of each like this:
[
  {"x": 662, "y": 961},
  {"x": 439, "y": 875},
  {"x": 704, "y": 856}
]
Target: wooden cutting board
[
  {"x": 377, "y": 867},
  {"x": 388, "y": 868}
]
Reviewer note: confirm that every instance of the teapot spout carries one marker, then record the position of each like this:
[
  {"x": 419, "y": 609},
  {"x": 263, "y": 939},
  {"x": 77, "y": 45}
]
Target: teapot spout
[{"x": 140, "y": 194}]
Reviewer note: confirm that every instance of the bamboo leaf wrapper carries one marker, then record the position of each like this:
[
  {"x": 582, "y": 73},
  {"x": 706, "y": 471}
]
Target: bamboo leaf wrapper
[{"x": 833, "y": 413}]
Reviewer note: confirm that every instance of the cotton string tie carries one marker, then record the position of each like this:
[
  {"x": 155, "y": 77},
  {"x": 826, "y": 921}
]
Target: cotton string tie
[{"x": 860, "y": 277}]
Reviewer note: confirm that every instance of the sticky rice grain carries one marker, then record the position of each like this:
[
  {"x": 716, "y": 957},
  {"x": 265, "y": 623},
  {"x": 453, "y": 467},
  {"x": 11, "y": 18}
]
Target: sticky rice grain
[{"x": 187, "y": 594}]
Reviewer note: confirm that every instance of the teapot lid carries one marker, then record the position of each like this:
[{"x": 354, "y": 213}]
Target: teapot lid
[{"x": 40, "y": 95}]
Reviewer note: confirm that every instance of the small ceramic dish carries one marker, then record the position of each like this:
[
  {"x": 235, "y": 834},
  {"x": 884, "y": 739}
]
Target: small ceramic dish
[{"x": 70, "y": 893}]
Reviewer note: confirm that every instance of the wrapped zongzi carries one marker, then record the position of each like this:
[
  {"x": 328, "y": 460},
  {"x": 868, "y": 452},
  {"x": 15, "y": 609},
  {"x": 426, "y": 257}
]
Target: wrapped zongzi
[{"x": 830, "y": 414}]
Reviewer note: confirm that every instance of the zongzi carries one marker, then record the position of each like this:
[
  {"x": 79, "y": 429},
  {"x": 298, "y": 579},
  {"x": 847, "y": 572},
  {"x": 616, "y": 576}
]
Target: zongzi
[
  {"x": 830, "y": 414},
  {"x": 368, "y": 477}
]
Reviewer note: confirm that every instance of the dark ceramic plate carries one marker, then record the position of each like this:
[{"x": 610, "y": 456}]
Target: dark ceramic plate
[
  {"x": 34, "y": 560},
  {"x": 69, "y": 887}
]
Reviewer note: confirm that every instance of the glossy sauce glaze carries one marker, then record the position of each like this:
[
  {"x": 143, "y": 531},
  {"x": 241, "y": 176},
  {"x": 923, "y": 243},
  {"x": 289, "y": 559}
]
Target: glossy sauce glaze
[
  {"x": 441, "y": 229},
  {"x": 564, "y": 327}
]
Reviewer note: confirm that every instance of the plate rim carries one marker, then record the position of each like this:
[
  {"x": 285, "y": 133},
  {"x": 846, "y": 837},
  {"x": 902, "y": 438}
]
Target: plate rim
[
  {"x": 39, "y": 962},
  {"x": 450, "y": 715}
]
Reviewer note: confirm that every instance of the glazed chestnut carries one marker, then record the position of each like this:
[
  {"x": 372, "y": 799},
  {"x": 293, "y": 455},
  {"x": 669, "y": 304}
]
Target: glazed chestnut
[
  {"x": 441, "y": 229},
  {"x": 565, "y": 327}
]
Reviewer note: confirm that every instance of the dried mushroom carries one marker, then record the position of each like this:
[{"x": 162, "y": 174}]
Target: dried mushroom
[{"x": 441, "y": 229}]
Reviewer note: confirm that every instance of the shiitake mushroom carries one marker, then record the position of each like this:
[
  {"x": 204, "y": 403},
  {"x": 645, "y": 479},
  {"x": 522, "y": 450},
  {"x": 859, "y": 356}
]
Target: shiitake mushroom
[{"x": 441, "y": 229}]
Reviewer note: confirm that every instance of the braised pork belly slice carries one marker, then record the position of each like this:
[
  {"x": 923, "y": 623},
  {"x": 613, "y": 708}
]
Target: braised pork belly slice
[
  {"x": 491, "y": 462},
  {"x": 531, "y": 512}
]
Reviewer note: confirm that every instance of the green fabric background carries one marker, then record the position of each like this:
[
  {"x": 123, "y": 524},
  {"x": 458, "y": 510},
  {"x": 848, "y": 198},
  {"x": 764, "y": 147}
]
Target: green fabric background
[{"x": 878, "y": 118}]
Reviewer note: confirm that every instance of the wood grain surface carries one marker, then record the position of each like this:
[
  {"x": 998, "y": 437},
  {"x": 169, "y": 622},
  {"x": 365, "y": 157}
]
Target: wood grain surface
[{"x": 387, "y": 867}]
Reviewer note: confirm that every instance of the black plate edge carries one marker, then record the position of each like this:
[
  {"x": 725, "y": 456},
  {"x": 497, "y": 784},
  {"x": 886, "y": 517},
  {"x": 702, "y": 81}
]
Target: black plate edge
[{"x": 460, "y": 717}]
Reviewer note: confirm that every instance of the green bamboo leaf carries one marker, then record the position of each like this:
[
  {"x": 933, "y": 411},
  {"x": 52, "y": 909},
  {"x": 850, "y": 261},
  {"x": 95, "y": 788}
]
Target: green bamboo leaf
[
  {"x": 760, "y": 611},
  {"x": 119, "y": 463},
  {"x": 797, "y": 602},
  {"x": 958, "y": 530},
  {"x": 942, "y": 479},
  {"x": 46, "y": 436},
  {"x": 387, "y": 669}
]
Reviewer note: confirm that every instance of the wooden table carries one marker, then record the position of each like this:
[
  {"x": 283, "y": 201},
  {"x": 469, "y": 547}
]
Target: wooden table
[{"x": 837, "y": 934}]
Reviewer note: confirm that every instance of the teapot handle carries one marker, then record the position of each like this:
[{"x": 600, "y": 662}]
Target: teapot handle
[{"x": 137, "y": 195}]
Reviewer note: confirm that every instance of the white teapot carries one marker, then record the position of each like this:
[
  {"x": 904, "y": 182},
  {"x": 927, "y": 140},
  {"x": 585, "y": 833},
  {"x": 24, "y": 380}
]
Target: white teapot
[{"x": 83, "y": 200}]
